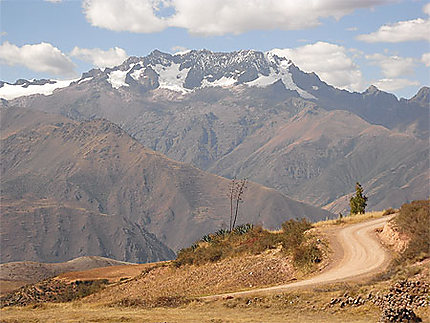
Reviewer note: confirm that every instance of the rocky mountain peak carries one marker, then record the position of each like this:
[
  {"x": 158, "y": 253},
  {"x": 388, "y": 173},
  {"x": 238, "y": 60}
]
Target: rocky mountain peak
[
  {"x": 372, "y": 90},
  {"x": 422, "y": 97},
  {"x": 195, "y": 69}
]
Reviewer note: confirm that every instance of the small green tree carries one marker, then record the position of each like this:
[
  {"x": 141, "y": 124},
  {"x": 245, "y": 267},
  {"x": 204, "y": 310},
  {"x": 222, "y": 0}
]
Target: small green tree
[{"x": 358, "y": 202}]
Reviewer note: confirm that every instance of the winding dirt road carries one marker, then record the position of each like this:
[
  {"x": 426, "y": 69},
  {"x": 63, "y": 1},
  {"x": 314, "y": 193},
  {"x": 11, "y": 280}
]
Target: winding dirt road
[{"x": 357, "y": 253}]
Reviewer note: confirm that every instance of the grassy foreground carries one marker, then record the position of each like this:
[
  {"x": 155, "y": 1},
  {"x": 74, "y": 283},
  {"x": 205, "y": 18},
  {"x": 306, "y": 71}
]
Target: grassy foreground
[{"x": 291, "y": 307}]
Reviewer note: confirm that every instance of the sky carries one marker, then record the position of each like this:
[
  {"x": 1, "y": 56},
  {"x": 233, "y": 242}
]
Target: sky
[{"x": 350, "y": 44}]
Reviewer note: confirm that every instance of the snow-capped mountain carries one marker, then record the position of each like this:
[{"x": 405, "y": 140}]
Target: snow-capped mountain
[
  {"x": 182, "y": 72},
  {"x": 29, "y": 87},
  {"x": 187, "y": 71}
]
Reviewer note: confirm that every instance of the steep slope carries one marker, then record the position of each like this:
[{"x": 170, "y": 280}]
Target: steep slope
[
  {"x": 207, "y": 108},
  {"x": 93, "y": 190}
]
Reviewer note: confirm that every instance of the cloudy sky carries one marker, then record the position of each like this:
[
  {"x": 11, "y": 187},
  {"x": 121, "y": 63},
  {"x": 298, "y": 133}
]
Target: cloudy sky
[{"x": 350, "y": 44}]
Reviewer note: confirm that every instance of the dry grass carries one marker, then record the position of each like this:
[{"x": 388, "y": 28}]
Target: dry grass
[
  {"x": 7, "y": 286},
  {"x": 350, "y": 219},
  {"x": 296, "y": 307}
]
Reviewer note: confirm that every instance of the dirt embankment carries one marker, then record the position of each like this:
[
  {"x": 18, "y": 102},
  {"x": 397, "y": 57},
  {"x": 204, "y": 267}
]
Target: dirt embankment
[{"x": 393, "y": 238}]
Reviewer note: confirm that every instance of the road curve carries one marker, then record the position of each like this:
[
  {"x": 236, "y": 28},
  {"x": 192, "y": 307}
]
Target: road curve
[{"x": 360, "y": 254}]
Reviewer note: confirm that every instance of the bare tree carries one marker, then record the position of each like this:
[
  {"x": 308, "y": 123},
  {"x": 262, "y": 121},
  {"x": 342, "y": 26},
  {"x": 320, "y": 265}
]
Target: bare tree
[
  {"x": 231, "y": 195},
  {"x": 236, "y": 190}
]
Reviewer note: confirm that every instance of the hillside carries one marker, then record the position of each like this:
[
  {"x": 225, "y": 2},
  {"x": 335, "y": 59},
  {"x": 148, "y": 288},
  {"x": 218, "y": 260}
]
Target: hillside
[
  {"x": 93, "y": 190},
  {"x": 318, "y": 149},
  {"x": 216, "y": 110}
]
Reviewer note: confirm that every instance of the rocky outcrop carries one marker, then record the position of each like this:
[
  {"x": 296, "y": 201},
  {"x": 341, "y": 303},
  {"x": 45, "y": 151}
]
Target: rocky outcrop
[{"x": 391, "y": 237}]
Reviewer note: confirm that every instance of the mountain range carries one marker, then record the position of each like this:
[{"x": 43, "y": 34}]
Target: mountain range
[{"x": 257, "y": 115}]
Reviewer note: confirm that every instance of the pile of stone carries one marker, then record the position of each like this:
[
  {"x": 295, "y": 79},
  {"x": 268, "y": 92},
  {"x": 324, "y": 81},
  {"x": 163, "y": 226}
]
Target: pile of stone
[
  {"x": 347, "y": 300},
  {"x": 397, "y": 304},
  {"x": 410, "y": 294},
  {"x": 403, "y": 297},
  {"x": 399, "y": 315}
]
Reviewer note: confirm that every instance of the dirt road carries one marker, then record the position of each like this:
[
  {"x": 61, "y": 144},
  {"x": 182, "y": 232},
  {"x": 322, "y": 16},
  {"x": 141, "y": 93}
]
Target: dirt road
[{"x": 357, "y": 253}]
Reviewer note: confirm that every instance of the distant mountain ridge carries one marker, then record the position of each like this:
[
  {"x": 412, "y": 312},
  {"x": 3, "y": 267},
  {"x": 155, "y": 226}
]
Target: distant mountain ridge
[{"x": 204, "y": 108}]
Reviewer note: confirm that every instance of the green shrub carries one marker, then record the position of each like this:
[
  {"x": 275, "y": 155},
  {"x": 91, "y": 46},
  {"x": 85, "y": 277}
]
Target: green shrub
[{"x": 243, "y": 228}]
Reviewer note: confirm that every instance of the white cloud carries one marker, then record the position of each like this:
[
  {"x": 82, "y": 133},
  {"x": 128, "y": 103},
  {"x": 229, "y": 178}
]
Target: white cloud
[
  {"x": 425, "y": 58},
  {"x": 426, "y": 9},
  {"x": 179, "y": 49},
  {"x": 393, "y": 66},
  {"x": 330, "y": 62},
  {"x": 217, "y": 17},
  {"x": 54, "y": 1},
  {"x": 390, "y": 85},
  {"x": 100, "y": 58},
  {"x": 124, "y": 15},
  {"x": 352, "y": 29},
  {"x": 41, "y": 57},
  {"x": 402, "y": 31}
]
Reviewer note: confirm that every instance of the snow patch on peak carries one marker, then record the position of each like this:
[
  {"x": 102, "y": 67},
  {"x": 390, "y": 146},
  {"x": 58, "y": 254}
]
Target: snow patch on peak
[
  {"x": 117, "y": 78},
  {"x": 222, "y": 82},
  {"x": 171, "y": 78},
  {"x": 279, "y": 70},
  {"x": 85, "y": 79},
  {"x": 12, "y": 91}
]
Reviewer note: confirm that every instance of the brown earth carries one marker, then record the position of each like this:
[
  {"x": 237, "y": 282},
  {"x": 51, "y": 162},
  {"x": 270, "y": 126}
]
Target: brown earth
[{"x": 391, "y": 237}]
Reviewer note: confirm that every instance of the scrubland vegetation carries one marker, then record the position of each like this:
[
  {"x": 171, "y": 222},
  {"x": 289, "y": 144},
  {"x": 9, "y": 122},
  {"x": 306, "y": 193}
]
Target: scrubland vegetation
[{"x": 293, "y": 239}]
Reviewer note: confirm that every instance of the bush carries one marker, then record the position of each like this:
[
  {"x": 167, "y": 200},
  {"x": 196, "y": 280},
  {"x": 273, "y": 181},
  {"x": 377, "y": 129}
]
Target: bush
[
  {"x": 293, "y": 233},
  {"x": 414, "y": 221},
  {"x": 306, "y": 255}
]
